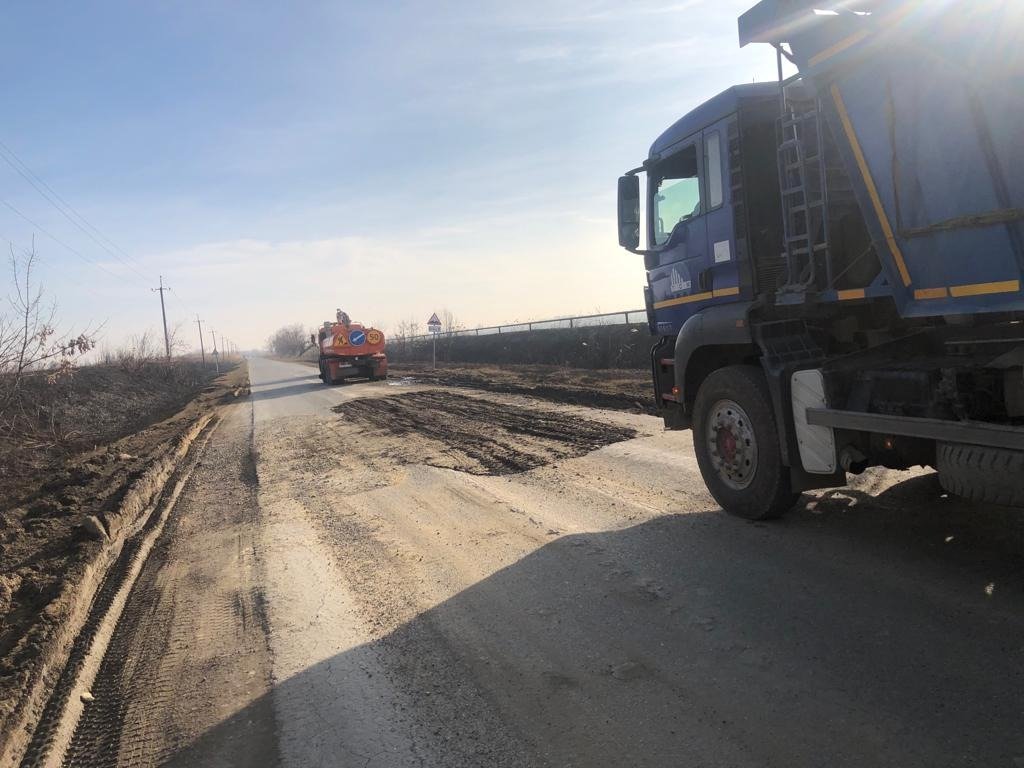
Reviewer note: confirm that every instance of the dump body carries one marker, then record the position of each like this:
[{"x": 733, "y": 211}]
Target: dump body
[
  {"x": 350, "y": 351},
  {"x": 925, "y": 105}
]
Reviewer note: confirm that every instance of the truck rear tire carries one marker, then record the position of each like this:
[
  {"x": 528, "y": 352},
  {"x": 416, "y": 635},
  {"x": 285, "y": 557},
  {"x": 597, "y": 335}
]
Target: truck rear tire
[
  {"x": 737, "y": 444},
  {"x": 988, "y": 475}
]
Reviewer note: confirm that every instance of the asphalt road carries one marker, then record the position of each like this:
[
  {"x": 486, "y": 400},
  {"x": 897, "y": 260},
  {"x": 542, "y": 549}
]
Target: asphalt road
[{"x": 433, "y": 577}]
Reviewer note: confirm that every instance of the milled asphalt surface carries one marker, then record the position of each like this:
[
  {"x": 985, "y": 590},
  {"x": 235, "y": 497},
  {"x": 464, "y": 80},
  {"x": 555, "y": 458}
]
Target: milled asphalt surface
[{"x": 597, "y": 610}]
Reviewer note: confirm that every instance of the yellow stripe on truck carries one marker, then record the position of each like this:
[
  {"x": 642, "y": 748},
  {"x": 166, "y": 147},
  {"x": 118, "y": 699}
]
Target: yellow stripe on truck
[
  {"x": 842, "y": 45},
  {"x": 979, "y": 289},
  {"x": 869, "y": 182},
  {"x": 859, "y": 37},
  {"x": 734, "y": 291},
  {"x": 930, "y": 293},
  {"x": 972, "y": 289},
  {"x": 683, "y": 300}
]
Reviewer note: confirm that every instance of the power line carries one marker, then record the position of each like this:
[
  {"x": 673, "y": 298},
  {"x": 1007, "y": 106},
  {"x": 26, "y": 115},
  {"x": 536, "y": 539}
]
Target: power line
[
  {"x": 117, "y": 312},
  {"x": 6, "y": 153},
  {"x": 70, "y": 213},
  {"x": 62, "y": 244},
  {"x": 188, "y": 306}
]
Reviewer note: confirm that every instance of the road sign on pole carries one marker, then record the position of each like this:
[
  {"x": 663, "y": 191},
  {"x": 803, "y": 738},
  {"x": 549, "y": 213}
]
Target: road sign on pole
[{"x": 434, "y": 326}]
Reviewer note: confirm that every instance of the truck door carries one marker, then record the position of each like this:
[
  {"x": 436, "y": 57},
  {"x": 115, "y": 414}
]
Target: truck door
[
  {"x": 720, "y": 275},
  {"x": 678, "y": 231}
]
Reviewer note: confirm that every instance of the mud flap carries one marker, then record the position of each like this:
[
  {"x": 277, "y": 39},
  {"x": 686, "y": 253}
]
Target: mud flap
[{"x": 817, "y": 445}]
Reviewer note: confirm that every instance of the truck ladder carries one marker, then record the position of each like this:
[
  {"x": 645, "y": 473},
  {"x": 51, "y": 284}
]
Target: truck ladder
[{"x": 803, "y": 187}]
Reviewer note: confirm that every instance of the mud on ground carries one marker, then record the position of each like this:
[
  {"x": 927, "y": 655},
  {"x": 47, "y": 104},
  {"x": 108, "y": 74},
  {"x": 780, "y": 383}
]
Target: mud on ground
[
  {"x": 479, "y": 436},
  {"x": 617, "y": 389},
  {"x": 45, "y": 544}
]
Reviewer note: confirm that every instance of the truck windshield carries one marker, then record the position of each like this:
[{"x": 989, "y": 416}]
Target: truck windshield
[{"x": 676, "y": 194}]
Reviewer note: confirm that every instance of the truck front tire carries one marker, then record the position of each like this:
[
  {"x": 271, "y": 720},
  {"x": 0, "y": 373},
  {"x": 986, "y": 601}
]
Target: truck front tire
[{"x": 737, "y": 444}]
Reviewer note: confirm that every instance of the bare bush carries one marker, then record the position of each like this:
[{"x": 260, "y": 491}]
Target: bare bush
[
  {"x": 140, "y": 351},
  {"x": 289, "y": 341},
  {"x": 176, "y": 338},
  {"x": 403, "y": 334},
  {"x": 31, "y": 346}
]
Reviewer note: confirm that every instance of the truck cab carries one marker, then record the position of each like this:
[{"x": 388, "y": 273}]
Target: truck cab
[
  {"x": 714, "y": 233},
  {"x": 698, "y": 219}
]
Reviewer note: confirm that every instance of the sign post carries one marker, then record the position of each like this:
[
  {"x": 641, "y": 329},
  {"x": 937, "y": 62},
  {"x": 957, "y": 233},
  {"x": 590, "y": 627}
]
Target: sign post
[{"x": 434, "y": 326}]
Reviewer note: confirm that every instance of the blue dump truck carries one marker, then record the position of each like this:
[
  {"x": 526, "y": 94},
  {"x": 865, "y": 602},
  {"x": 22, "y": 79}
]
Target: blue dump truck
[{"x": 834, "y": 261}]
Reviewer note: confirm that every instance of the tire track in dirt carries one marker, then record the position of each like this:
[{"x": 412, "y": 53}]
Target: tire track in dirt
[
  {"x": 59, "y": 713},
  {"x": 190, "y": 647},
  {"x": 483, "y": 437}
]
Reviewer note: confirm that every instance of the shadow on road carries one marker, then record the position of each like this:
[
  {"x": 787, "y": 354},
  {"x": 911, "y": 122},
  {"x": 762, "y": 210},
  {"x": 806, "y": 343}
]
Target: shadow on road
[
  {"x": 307, "y": 385},
  {"x": 864, "y": 631},
  {"x": 304, "y": 377}
]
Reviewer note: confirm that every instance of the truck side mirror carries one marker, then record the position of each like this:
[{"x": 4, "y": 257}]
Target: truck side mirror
[{"x": 629, "y": 212}]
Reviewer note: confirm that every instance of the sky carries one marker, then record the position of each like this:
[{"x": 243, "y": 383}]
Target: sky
[{"x": 274, "y": 161}]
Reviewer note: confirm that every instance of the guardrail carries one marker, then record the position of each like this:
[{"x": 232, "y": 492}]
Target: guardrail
[{"x": 630, "y": 317}]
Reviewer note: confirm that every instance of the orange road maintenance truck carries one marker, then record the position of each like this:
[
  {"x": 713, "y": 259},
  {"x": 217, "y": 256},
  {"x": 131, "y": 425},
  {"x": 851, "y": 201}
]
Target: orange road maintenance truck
[{"x": 348, "y": 350}]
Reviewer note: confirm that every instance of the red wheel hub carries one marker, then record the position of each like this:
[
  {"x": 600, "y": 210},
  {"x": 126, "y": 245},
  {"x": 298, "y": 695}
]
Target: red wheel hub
[{"x": 726, "y": 444}]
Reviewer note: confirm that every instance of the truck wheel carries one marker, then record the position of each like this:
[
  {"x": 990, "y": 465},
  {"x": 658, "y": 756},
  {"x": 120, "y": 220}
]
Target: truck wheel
[
  {"x": 737, "y": 444},
  {"x": 989, "y": 475}
]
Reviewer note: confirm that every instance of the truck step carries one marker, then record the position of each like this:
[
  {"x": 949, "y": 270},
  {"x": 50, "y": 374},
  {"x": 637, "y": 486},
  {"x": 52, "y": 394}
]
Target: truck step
[
  {"x": 805, "y": 206},
  {"x": 806, "y": 161},
  {"x": 820, "y": 247}
]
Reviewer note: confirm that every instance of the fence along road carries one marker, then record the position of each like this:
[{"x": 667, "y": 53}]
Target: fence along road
[{"x": 630, "y": 317}]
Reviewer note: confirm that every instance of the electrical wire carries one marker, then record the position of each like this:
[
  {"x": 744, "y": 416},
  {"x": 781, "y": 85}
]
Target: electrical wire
[
  {"x": 6, "y": 154},
  {"x": 62, "y": 244},
  {"x": 70, "y": 213}
]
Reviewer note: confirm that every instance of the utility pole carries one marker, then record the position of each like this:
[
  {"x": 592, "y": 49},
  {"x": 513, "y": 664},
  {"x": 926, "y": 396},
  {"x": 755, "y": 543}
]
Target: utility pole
[
  {"x": 202, "y": 346},
  {"x": 163, "y": 313},
  {"x": 216, "y": 357}
]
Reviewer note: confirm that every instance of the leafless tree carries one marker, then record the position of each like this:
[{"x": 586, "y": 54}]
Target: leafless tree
[
  {"x": 449, "y": 323},
  {"x": 289, "y": 341},
  {"x": 30, "y": 344},
  {"x": 176, "y": 337}
]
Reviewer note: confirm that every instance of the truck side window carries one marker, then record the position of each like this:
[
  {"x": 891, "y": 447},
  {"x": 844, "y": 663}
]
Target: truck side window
[
  {"x": 713, "y": 152},
  {"x": 677, "y": 193}
]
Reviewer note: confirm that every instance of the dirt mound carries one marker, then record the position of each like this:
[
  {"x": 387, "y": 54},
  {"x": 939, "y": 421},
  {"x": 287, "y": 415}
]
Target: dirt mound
[{"x": 479, "y": 436}]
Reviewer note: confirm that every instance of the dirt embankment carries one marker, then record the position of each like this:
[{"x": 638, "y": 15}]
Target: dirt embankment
[
  {"x": 95, "y": 406},
  {"x": 63, "y": 501},
  {"x": 616, "y": 389}
]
